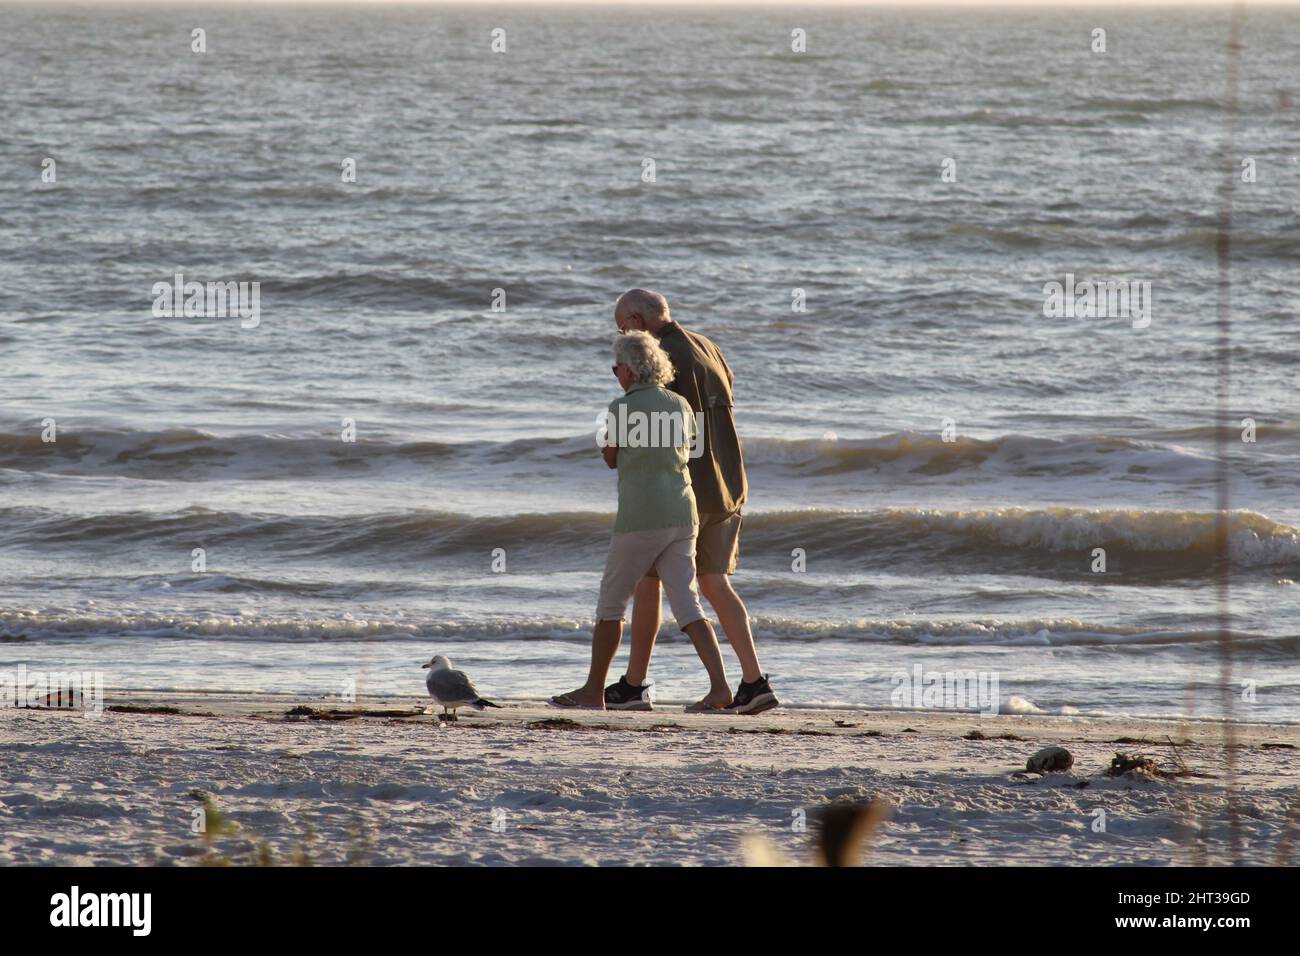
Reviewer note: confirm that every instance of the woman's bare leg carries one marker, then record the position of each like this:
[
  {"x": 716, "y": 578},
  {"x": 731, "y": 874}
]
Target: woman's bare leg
[
  {"x": 605, "y": 639},
  {"x": 706, "y": 645}
]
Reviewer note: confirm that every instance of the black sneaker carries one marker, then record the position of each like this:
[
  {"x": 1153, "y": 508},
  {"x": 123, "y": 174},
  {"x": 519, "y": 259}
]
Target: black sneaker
[
  {"x": 753, "y": 698},
  {"x": 623, "y": 696}
]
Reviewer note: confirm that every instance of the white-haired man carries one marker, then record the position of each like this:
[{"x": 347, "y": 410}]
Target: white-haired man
[{"x": 704, "y": 379}]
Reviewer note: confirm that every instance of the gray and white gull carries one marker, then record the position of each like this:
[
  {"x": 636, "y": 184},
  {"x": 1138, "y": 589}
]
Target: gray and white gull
[{"x": 452, "y": 688}]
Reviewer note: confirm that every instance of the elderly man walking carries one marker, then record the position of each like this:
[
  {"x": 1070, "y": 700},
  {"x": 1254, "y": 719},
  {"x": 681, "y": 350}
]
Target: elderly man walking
[{"x": 704, "y": 379}]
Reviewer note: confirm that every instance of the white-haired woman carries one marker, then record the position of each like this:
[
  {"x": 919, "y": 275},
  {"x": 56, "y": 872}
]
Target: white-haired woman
[{"x": 648, "y": 436}]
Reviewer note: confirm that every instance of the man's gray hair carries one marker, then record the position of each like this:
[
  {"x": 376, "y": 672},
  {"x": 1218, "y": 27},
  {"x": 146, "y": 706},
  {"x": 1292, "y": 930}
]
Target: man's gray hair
[
  {"x": 642, "y": 353},
  {"x": 643, "y": 302}
]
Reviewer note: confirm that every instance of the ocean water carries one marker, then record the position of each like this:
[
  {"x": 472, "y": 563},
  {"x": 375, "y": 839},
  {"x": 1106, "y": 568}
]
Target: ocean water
[{"x": 330, "y": 561}]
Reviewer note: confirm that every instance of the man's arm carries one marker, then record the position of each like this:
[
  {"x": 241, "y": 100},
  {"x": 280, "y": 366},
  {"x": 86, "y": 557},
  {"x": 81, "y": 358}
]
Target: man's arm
[
  {"x": 609, "y": 450},
  {"x": 731, "y": 379}
]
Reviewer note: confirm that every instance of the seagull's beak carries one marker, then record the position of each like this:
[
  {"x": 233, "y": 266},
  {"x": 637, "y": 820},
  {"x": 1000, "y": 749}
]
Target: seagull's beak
[{"x": 425, "y": 666}]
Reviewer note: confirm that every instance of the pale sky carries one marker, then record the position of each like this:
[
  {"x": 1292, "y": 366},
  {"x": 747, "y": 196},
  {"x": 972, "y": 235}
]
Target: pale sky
[{"x": 790, "y": 4}]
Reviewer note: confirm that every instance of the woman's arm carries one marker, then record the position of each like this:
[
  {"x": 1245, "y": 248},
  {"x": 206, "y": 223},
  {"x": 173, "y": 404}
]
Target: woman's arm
[{"x": 610, "y": 453}]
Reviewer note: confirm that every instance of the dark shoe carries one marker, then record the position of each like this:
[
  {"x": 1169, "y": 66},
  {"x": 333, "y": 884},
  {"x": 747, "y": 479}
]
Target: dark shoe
[
  {"x": 623, "y": 696},
  {"x": 753, "y": 698}
]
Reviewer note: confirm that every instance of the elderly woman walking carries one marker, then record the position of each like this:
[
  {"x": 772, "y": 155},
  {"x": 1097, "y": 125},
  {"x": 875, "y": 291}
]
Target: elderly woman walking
[{"x": 649, "y": 434}]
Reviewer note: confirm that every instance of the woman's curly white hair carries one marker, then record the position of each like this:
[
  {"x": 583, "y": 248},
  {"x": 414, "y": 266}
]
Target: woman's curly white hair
[{"x": 642, "y": 353}]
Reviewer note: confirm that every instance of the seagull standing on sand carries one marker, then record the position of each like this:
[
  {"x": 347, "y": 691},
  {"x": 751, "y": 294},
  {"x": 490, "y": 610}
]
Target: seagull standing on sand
[{"x": 452, "y": 688}]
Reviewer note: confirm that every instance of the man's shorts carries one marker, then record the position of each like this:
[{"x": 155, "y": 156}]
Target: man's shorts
[{"x": 717, "y": 544}]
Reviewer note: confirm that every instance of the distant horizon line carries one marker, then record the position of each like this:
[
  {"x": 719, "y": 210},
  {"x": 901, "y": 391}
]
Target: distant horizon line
[{"x": 792, "y": 5}]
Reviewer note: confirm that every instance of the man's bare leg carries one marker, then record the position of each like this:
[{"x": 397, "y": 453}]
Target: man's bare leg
[
  {"x": 706, "y": 645},
  {"x": 605, "y": 639},
  {"x": 734, "y": 618},
  {"x": 646, "y": 610}
]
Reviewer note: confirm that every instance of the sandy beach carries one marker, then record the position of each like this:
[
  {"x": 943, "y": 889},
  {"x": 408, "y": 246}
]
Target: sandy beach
[{"x": 382, "y": 783}]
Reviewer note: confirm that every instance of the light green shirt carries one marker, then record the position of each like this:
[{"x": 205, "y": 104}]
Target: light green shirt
[{"x": 653, "y": 429}]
